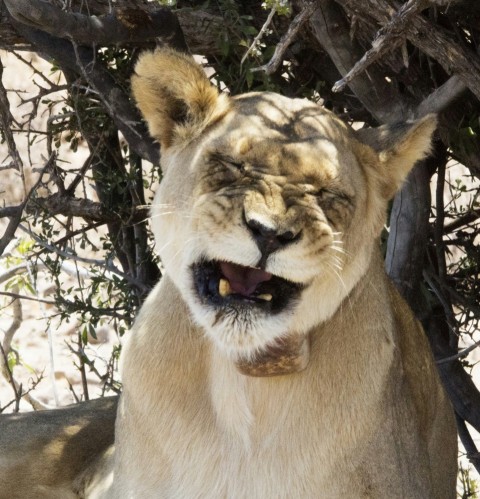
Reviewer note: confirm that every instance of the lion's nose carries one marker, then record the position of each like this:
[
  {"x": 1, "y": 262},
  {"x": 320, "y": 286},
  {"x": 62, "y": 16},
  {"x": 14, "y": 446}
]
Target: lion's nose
[{"x": 270, "y": 239}]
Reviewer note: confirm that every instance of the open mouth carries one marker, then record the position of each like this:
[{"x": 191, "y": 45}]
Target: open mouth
[{"x": 225, "y": 284}]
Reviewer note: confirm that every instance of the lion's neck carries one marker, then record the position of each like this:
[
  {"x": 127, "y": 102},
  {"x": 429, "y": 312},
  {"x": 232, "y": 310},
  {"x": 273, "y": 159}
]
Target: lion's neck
[
  {"x": 230, "y": 398},
  {"x": 242, "y": 403}
]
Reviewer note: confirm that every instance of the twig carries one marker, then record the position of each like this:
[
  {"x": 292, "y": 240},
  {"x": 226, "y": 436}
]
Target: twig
[
  {"x": 260, "y": 34},
  {"x": 460, "y": 355},
  {"x": 16, "y": 218},
  {"x": 54, "y": 86},
  {"x": 6, "y": 348},
  {"x": 287, "y": 39},
  {"x": 99, "y": 263},
  {"x": 467, "y": 218},
  {"x": 6, "y": 120},
  {"x": 467, "y": 441},
  {"x": 18, "y": 296},
  {"x": 125, "y": 115},
  {"x": 438, "y": 232},
  {"x": 22, "y": 268}
]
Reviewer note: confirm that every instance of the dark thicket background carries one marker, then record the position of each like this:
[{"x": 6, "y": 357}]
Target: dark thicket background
[{"x": 372, "y": 62}]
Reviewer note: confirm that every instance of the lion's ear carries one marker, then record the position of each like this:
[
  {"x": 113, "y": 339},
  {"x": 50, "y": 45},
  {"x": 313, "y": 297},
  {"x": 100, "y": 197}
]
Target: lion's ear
[
  {"x": 399, "y": 147},
  {"x": 175, "y": 97}
]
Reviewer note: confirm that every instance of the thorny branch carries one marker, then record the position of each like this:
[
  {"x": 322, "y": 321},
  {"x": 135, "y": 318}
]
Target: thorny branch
[
  {"x": 82, "y": 60},
  {"x": 387, "y": 39},
  {"x": 434, "y": 42}
]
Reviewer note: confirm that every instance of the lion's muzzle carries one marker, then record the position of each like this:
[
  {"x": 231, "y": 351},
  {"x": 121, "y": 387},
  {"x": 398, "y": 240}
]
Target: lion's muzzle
[{"x": 226, "y": 285}]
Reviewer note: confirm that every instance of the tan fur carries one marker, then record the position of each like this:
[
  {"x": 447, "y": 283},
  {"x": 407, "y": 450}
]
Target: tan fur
[
  {"x": 367, "y": 417},
  {"x": 44, "y": 454},
  {"x": 174, "y": 86}
]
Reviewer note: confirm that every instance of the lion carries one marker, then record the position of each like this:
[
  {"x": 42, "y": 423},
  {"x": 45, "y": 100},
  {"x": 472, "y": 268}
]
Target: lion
[{"x": 274, "y": 359}]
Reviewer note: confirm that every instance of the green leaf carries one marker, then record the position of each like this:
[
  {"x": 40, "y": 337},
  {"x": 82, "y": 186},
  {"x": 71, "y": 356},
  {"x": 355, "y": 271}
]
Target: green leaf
[
  {"x": 92, "y": 331},
  {"x": 84, "y": 335},
  {"x": 12, "y": 360},
  {"x": 249, "y": 78}
]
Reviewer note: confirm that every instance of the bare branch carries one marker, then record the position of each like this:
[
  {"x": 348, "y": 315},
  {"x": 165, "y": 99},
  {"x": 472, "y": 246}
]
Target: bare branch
[
  {"x": 6, "y": 120},
  {"x": 468, "y": 218},
  {"x": 460, "y": 355},
  {"x": 16, "y": 216},
  {"x": 61, "y": 204},
  {"x": 468, "y": 442},
  {"x": 6, "y": 348},
  {"x": 9, "y": 233},
  {"x": 332, "y": 31},
  {"x": 10, "y": 211},
  {"x": 442, "y": 97},
  {"x": 451, "y": 55},
  {"x": 387, "y": 39},
  {"x": 124, "y": 113},
  {"x": 287, "y": 39},
  {"x": 201, "y": 29},
  {"x": 15, "y": 324},
  {"x": 99, "y": 263},
  {"x": 124, "y": 25},
  {"x": 17, "y": 296}
]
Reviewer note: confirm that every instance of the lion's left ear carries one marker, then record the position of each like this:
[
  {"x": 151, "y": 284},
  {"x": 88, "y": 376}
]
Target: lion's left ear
[
  {"x": 399, "y": 147},
  {"x": 175, "y": 96}
]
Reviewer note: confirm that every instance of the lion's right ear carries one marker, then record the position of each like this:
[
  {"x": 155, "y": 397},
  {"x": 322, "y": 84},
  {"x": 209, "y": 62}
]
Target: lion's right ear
[
  {"x": 175, "y": 96},
  {"x": 398, "y": 148}
]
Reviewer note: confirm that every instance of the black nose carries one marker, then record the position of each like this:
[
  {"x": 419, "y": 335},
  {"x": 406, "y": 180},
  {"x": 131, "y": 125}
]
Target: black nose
[{"x": 269, "y": 239}]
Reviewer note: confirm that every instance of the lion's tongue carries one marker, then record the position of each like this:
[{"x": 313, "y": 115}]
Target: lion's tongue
[{"x": 243, "y": 280}]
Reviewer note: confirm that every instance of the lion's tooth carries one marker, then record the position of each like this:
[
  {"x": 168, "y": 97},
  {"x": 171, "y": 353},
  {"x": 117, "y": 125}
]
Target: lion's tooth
[
  {"x": 265, "y": 297},
  {"x": 224, "y": 288}
]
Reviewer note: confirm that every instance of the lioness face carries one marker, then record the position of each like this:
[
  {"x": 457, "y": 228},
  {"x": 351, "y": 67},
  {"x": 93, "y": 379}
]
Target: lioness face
[
  {"x": 268, "y": 209},
  {"x": 260, "y": 222}
]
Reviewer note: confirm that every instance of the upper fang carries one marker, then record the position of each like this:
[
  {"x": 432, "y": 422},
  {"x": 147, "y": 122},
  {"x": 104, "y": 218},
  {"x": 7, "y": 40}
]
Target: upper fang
[
  {"x": 224, "y": 288},
  {"x": 265, "y": 297}
]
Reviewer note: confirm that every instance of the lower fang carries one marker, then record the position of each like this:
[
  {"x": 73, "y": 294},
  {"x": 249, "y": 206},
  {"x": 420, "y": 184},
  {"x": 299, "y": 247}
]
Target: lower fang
[
  {"x": 265, "y": 297},
  {"x": 224, "y": 288}
]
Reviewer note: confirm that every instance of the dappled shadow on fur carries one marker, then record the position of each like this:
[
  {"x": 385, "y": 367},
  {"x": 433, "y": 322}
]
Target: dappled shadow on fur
[{"x": 41, "y": 451}]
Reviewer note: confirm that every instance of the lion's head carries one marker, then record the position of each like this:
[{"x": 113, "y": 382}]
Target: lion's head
[{"x": 269, "y": 207}]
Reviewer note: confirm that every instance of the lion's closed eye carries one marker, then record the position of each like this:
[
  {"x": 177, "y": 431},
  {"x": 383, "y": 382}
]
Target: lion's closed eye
[{"x": 336, "y": 205}]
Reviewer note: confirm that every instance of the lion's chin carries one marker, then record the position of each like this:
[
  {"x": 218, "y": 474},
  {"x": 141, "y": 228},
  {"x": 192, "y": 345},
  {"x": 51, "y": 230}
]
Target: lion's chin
[
  {"x": 243, "y": 310},
  {"x": 228, "y": 287}
]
